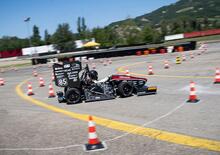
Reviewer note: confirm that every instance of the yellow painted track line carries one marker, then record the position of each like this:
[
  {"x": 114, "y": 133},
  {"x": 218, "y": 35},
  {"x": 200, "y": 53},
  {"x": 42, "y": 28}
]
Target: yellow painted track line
[{"x": 125, "y": 127}]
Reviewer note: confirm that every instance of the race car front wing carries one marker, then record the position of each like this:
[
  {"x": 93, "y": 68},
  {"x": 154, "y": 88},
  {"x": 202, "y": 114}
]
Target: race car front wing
[{"x": 145, "y": 90}]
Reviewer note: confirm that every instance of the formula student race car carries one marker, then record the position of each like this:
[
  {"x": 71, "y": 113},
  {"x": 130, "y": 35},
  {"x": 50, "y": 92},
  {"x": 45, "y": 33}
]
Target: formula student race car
[{"x": 83, "y": 85}]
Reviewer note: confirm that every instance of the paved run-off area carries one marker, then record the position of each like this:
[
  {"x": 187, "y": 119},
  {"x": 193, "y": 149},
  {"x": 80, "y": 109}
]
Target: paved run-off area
[{"x": 167, "y": 124}]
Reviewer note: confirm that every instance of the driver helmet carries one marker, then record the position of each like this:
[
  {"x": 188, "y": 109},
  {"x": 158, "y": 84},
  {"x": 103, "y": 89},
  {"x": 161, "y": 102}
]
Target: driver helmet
[{"x": 93, "y": 75}]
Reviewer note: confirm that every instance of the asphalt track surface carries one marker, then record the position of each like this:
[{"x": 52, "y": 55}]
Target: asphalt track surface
[{"x": 156, "y": 124}]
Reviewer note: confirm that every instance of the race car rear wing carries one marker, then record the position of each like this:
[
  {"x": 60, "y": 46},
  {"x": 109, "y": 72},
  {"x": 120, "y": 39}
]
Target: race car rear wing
[{"x": 67, "y": 74}]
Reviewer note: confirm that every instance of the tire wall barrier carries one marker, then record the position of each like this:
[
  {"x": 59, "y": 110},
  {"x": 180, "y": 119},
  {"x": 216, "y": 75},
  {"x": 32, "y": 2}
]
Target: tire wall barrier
[{"x": 139, "y": 52}]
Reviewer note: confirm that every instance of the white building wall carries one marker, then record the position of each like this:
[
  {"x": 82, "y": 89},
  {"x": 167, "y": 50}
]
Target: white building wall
[
  {"x": 38, "y": 49},
  {"x": 174, "y": 37}
]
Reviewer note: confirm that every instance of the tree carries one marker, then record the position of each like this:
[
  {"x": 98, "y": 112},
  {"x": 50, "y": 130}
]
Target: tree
[
  {"x": 216, "y": 24},
  {"x": 148, "y": 34},
  {"x": 126, "y": 33},
  {"x": 163, "y": 29},
  {"x": 113, "y": 37},
  {"x": 84, "y": 27},
  {"x": 83, "y": 32},
  {"x": 194, "y": 24},
  {"x": 206, "y": 22},
  {"x": 63, "y": 38},
  {"x": 79, "y": 25},
  {"x": 11, "y": 43},
  {"x": 100, "y": 35},
  {"x": 107, "y": 36},
  {"x": 133, "y": 37},
  {"x": 47, "y": 37},
  {"x": 177, "y": 27},
  {"x": 36, "y": 38}
]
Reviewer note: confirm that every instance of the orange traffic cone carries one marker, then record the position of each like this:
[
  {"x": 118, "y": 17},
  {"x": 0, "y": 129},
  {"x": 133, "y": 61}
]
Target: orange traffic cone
[
  {"x": 166, "y": 64},
  {"x": 217, "y": 76},
  {"x": 2, "y": 82},
  {"x": 150, "y": 70},
  {"x": 183, "y": 57},
  {"x": 30, "y": 91},
  {"x": 199, "y": 52},
  {"x": 104, "y": 63},
  {"x": 191, "y": 55},
  {"x": 192, "y": 95},
  {"x": 110, "y": 61},
  {"x": 93, "y": 66},
  {"x": 127, "y": 72},
  {"x": 93, "y": 141},
  {"x": 41, "y": 82},
  {"x": 35, "y": 73},
  {"x": 51, "y": 91},
  {"x": 52, "y": 77},
  {"x": 49, "y": 65}
]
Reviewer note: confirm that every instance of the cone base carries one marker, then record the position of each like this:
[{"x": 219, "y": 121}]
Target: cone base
[
  {"x": 51, "y": 96},
  {"x": 216, "y": 82},
  {"x": 95, "y": 147},
  {"x": 30, "y": 94},
  {"x": 150, "y": 73},
  {"x": 41, "y": 85},
  {"x": 193, "y": 101}
]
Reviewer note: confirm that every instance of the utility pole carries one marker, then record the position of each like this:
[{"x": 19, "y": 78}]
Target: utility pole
[{"x": 27, "y": 21}]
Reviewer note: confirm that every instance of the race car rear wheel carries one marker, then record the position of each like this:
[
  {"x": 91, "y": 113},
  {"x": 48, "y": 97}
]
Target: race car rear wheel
[
  {"x": 125, "y": 89},
  {"x": 73, "y": 96}
]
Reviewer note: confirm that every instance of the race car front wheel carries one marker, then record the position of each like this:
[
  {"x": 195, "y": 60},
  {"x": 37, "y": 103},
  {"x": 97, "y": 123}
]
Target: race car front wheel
[
  {"x": 125, "y": 89},
  {"x": 73, "y": 96}
]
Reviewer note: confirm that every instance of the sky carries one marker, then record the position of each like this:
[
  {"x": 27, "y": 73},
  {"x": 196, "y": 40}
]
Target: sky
[{"x": 47, "y": 14}]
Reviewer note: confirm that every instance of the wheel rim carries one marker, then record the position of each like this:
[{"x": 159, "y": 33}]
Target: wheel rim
[
  {"x": 74, "y": 97},
  {"x": 127, "y": 89}
]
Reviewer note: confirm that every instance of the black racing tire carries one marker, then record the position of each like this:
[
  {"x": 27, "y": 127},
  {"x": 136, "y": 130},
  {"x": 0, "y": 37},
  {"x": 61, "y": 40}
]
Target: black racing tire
[
  {"x": 73, "y": 96},
  {"x": 60, "y": 101},
  {"x": 125, "y": 89}
]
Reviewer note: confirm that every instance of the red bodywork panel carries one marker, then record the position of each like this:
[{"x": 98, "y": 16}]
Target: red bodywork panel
[{"x": 126, "y": 77}]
